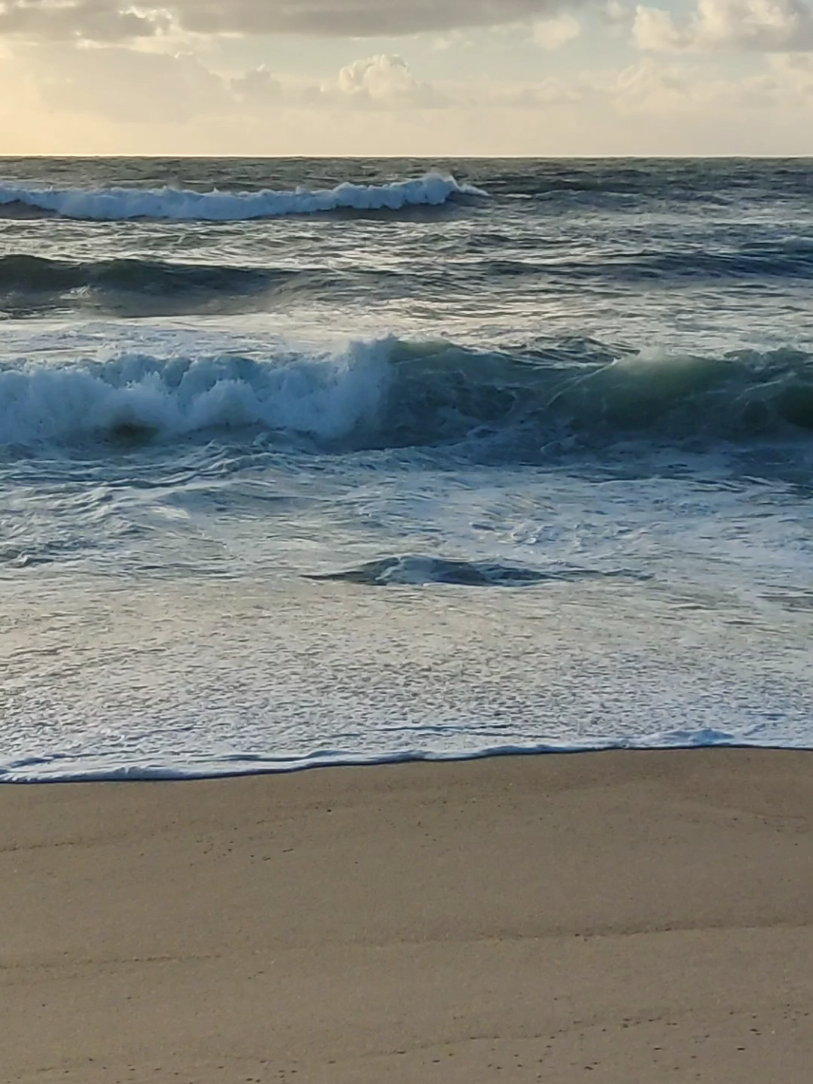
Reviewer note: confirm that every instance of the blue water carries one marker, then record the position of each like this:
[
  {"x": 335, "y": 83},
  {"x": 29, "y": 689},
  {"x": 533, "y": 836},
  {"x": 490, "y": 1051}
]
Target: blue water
[{"x": 308, "y": 462}]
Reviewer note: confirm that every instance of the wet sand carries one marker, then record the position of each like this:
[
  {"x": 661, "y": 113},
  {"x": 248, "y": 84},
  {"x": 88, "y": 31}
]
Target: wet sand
[{"x": 628, "y": 918}]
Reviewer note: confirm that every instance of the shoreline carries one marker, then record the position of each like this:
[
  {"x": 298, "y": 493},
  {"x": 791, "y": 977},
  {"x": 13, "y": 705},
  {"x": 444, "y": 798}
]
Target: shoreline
[
  {"x": 163, "y": 775},
  {"x": 516, "y": 917}
]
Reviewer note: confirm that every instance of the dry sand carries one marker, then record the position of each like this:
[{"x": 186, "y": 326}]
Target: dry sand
[{"x": 628, "y": 918}]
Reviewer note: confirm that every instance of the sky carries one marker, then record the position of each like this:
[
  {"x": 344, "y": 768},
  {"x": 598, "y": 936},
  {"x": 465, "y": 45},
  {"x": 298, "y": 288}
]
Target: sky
[{"x": 435, "y": 78}]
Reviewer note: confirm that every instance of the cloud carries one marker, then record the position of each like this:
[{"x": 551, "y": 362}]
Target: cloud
[
  {"x": 117, "y": 20},
  {"x": 127, "y": 84},
  {"x": 655, "y": 31},
  {"x": 385, "y": 80},
  {"x": 61, "y": 99},
  {"x": 762, "y": 25},
  {"x": 145, "y": 87},
  {"x": 551, "y": 93},
  {"x": 615, "y": 13},
  {"x": 652, "y": 87},
  {"x": 557, "y": 31},
  {"x": 257, "y": 87},
  {"x": 767, "y": 26},
  {"x": 794, "y": 74},
  {"x": 91, "y": 20},
  {"x": 357, "y": 18}
]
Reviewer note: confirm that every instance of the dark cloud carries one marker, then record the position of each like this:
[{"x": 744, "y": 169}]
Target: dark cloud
[
  {"x": 354, "y": 18},
  {"x": 116, "y": 20},
  {"x": 91, "y": 20}
]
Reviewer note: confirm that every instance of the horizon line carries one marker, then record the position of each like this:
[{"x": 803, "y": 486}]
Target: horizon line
[{"x": 431, "y": 157}]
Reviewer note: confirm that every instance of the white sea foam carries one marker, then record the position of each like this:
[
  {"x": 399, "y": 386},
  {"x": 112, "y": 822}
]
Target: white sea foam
[
  {"x": 433, "y": 189},
  {"x": 172, "y": 673},
  {"x": 90, "y": 769},
  {"x": 324, "y": 397}
]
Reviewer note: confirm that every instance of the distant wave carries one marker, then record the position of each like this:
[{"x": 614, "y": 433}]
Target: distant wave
[
  {"x": 767, "y": 261},
  {"x": 621, "y": 183},
  {"x": 31, "y": 284},
  {"x": 23, "y": 273},
  {"x": 390, "y": 393},
  {"x": 138, "y": 287},
  {"x": 116, "y": 204}
]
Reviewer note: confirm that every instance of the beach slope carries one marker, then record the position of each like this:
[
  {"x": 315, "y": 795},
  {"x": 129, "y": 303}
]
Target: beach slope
[{"x": 628, "y": 918}]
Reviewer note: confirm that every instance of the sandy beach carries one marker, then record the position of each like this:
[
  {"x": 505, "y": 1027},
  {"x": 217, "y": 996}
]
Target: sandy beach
[{"x": 627, "y": 918}]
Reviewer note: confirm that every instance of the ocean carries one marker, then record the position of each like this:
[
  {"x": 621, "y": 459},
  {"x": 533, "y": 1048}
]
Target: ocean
[{"x": 309, "y": 462}]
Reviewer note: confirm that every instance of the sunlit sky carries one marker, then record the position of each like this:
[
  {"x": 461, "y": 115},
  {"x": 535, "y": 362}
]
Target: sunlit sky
[{"x": 406, "y": 77}]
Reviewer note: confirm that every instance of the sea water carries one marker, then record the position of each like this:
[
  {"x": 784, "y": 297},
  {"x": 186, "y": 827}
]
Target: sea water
[{"x": 318, "y": 462}]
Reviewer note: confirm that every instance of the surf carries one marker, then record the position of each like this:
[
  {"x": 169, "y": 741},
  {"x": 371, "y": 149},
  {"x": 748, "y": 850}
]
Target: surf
[
  {"x": 120, "y": 204},
  {"x": 393, "y": 393}
]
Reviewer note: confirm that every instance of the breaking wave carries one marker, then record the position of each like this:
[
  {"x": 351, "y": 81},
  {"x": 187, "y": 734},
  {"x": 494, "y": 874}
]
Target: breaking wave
[
  {"x": 390, "y": 393},
  {"x": 116, "y": 204}
]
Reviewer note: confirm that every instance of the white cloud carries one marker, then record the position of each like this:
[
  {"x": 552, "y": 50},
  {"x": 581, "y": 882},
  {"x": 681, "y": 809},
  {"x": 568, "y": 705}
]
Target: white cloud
[
  {"x": 654, "y": 30},
  {"x": 764, "y": 25},
  {"x": 767, "y": 26},
  {"x": 381, "y": 82},
  {"x": 384, "y": 81},
  {"x": 146, "y": 87},
  {"x": 616, "y": 13},
  {"x": 557, "y": 31}
]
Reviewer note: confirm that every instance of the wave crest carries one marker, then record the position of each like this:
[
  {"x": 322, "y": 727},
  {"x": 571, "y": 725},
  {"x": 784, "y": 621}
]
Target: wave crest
[
  {"x": 389, "y": 393},
  {"x": 142, "y": 396},
  {"x": 116, "y": 204}
]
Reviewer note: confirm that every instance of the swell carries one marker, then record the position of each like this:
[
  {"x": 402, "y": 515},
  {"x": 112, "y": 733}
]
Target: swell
[
  {"x": 121, "y": 204},
  {"x": 24, "y": 273},
  {"x": 393, "y": 394},
  {"x": 139, "y": 287},
  {"x": 32, "y": 284},
  {"x": 753, "y": 261},
  {"x": 719, "y": 182}
]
